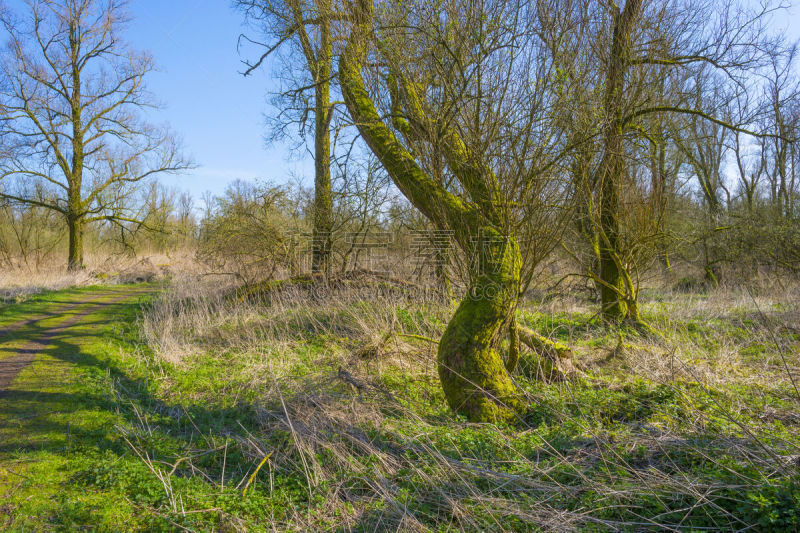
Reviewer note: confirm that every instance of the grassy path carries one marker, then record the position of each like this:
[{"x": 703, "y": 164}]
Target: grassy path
[
  {"x": 98, "y": 433},
  {"x": 56, "y": 364},
  {"x": 88, "y": 440},
  {"x": 36, "y": 339},
  {"x": 56, "y": 307}
]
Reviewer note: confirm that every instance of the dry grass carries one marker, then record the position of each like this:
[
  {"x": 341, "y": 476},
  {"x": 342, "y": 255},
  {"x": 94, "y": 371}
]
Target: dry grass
[
  {"x": 347, "y": 402},
  {"x": 101, "y": 269},
  {"x": 19, "y": 284},
  {"x": 736, "y": 334},
  {"x": 202, "y": 314}
]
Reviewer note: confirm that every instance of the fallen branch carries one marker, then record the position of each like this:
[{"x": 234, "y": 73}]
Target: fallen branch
[{"x": 418, "y": 337}]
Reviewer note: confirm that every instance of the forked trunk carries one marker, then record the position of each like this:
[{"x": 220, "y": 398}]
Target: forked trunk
[{"x": 473, "y": 374}]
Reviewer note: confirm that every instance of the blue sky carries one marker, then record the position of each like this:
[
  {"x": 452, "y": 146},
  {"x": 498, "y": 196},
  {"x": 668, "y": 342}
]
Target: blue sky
[{"x": 218, "y": 113}]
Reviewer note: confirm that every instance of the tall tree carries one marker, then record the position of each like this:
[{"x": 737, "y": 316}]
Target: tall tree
[
  {"x": 71, "y": 123},
  {"x": 647, "y": 55},
  {"x": 705, "y": 145},
  {"x": 416, "y": 82},
  {"x": 782, "y": 121},
  {"x": 307, "y": 25}
]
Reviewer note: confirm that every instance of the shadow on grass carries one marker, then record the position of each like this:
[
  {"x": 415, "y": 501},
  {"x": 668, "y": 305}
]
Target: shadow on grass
[
  {"x": 52, "y": 408},
  {"x": 400, "y": 481}
]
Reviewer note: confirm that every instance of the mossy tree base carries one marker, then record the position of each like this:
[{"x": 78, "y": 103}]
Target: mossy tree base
[{"x": 473, "y": 374}]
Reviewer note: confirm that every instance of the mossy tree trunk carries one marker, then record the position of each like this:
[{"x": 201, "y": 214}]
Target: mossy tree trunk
[
  {"x": 74, "y": 174},
  {"x": 471, "y": 369},
  {"x": 75, "y": 251},
  {"x": 323, "y": 207},
  {"x": 474, "y": 377},
  {"x": 617, "y": 297},
  {"x": 317, "y": 48}
]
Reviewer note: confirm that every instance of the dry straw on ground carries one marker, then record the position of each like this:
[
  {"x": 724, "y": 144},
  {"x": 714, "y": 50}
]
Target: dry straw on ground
[{"x": 363, "y": 413}]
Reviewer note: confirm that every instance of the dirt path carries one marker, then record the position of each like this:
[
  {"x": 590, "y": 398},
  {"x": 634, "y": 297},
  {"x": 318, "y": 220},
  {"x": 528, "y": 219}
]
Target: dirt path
[
  {"x": 8, "y": 329},
  {"x": 10, "y": 367}
]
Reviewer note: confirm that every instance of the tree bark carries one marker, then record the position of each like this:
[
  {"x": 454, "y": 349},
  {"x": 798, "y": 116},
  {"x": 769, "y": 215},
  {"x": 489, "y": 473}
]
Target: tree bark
[
  {"x": 473, "y": 374},
  {"x": 75, "y": 177},
  {"x": 75, "y": 253},
  {"x": 323, "y": 207},
  {"x": 614, "y": 292},
  {"x": 474, "y": 378}
]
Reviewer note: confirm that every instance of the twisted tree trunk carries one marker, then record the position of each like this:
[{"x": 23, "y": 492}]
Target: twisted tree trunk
[{"x": 474, "y": 378}]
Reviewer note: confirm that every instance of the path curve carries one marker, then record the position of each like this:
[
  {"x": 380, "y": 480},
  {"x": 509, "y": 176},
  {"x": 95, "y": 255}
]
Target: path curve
[{"x": 10, "y": 367}]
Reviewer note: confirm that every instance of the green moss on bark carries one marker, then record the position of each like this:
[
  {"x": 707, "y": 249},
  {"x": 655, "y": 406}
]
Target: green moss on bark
[
  {"x": 472, "y": 372},
  {"x": 473, "y": 375}
]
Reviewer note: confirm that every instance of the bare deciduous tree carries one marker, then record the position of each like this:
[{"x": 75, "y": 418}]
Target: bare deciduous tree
[
  {"x": 647, "y": 56},
  {"x": 71, "y": 123},
  {"x": 307, "y": 26},
  {"x": 484, "y": 100}
]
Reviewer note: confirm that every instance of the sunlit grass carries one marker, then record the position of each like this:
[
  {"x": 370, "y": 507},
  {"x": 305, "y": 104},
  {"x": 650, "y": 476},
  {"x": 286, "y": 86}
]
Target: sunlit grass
[{"x": 699, "y": 432}]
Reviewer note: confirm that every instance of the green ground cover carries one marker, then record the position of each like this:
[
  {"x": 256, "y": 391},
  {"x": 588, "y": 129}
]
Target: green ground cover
[{"x": 281, "y": 419}]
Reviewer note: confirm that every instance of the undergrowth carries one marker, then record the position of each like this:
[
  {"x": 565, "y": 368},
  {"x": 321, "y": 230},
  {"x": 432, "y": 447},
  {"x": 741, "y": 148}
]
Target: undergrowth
[
  {"x": 323, "y": 412},
  {"x": 342, "y": 395}
]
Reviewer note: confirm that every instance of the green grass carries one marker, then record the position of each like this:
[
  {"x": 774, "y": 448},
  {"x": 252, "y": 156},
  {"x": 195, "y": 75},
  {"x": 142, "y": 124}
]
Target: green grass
[
  {"x": 103, "y": 434},
  {"x": 68, "y": 422},
  {"x": 61, "y": 415},
  {"x": 41, "y": 303}
]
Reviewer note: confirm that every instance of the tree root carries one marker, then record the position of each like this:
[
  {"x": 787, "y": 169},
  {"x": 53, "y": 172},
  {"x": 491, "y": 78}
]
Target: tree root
[
  {"x": 513, "y": 346},
  {"x": 554, "y": 362},
  {"x": 645, "y": 329}
]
